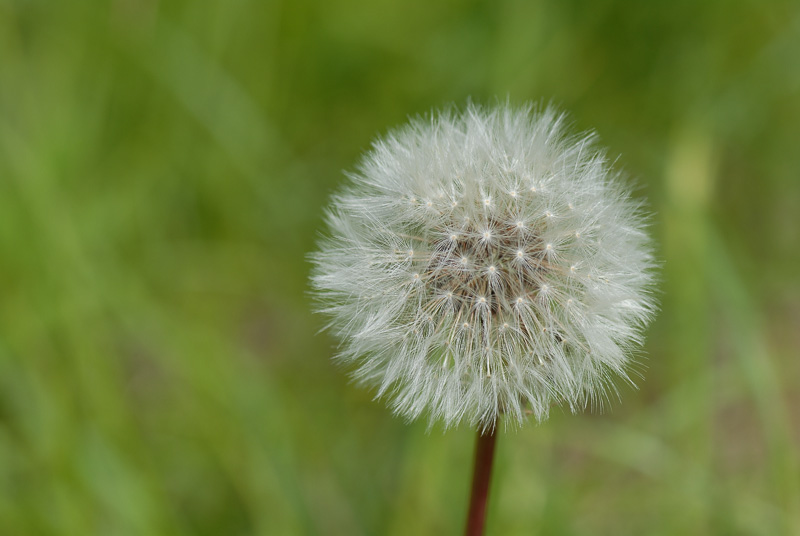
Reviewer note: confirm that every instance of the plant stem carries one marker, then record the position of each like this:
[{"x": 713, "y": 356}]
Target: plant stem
[{"x": 481, "y": 476}]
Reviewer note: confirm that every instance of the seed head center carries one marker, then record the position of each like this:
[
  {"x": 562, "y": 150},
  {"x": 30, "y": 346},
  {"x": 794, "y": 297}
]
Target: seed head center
[{"x": 488, "y": 263}]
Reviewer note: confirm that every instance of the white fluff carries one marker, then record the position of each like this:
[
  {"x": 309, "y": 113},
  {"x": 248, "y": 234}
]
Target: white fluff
[{"x": 484, "y": 263}]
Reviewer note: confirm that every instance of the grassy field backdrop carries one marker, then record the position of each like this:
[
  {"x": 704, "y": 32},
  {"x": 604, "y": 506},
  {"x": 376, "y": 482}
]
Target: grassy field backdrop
[{"x": 163, "y": 166}]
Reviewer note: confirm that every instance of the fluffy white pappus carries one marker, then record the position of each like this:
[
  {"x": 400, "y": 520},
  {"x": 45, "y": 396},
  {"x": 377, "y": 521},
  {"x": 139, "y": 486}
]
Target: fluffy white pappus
[{"x": 484, "y": 263}]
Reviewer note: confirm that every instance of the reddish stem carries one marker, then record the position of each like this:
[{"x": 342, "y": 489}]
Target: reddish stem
[{"x": 481, "y": 476}]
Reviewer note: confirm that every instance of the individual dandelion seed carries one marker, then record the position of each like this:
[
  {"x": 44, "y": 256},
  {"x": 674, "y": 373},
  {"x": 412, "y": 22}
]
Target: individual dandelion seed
[{"x": 485, "y": 263}]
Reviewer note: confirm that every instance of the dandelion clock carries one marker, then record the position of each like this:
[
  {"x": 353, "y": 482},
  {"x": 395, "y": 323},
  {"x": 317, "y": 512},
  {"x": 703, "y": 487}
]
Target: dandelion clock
[{"x": 486, "y": 263}]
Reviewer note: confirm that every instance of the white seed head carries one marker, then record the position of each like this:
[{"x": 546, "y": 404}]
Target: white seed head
[{"x": 499, "y": 320}]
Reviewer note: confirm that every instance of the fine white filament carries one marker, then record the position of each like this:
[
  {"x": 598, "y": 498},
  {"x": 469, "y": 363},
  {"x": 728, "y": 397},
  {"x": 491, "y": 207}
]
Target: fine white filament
[{"x": 485, "y": 262}]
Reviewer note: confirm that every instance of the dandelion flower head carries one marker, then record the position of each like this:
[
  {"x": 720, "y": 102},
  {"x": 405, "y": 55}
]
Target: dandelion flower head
[{"x": 486, "y": 262}]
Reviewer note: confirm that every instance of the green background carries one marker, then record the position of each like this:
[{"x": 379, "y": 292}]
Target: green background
[{"x": 163, "y": 170}]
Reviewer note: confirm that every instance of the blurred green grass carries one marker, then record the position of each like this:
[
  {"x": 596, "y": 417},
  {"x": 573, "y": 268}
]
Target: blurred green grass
[{"x": 163, "y": 166}]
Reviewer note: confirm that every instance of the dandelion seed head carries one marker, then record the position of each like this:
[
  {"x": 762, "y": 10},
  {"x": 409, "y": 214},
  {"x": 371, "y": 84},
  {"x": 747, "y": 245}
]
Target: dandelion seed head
[{"x": 493, "y": 264}]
